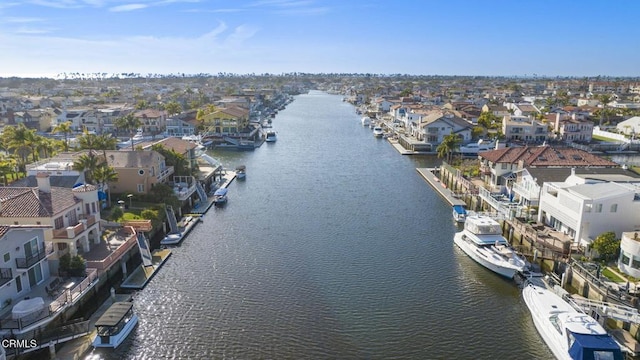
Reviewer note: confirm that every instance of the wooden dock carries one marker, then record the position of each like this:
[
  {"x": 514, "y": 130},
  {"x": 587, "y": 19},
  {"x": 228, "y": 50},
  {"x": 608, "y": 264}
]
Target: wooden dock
[{"x": 429, "y": 175}]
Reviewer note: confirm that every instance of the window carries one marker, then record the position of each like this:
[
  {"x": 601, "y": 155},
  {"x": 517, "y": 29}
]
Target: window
[
  {"x": 93, "y": 207},
  {"x": 614, "y": 207},
  {"x": 59, "y": 223},
  {"x": 598, "y": 208},
  {"x": 624, "y": 258},
  {"x": 7, "y": 257},
  {"x": 140, "y": 188},
  {"x": 588, "y": 207}
]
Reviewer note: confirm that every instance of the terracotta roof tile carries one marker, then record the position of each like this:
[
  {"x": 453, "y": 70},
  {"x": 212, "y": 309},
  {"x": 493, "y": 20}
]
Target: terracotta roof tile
[
  {"x": 30, "y": 202},
  {"x": 546, "y": 156}
]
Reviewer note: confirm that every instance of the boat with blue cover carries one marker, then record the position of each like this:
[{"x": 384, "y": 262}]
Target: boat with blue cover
[
  {"x": 566, "y": 329},
  {"x": 220, "y": 196},
  {"x": 459, "y": 213}
]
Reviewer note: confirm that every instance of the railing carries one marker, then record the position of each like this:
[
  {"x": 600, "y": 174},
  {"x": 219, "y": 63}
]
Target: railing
[
  {"x": 165, "y": 173},
  {"x": 71, "y": 232},
  {"x": 66, "y": 298},
  {"x": 106, "y": 263},
  {"x": 526, "y": 193},
  {"x": 27, "y": 262},
  {"x": 76, "y": 291},
  {"x": 51, "y": 336}
]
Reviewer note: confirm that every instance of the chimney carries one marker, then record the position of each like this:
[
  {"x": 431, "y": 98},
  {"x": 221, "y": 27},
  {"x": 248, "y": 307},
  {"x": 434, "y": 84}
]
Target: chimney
[{"x": 43, "y": 182}]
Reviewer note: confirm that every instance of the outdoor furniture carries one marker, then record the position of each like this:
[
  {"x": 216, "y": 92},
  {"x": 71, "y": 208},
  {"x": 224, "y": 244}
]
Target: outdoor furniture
[{"x": 27, "y": 307}]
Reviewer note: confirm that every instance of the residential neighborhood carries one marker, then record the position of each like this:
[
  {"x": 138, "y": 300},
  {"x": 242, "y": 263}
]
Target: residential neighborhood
[{"x": 89, "y": 167}]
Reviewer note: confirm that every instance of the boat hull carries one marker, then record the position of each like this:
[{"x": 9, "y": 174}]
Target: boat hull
[
  {"x": 472, "y": 251},
  {"x": 171, "y": 239},
  {"x": 116, "y": 340}
]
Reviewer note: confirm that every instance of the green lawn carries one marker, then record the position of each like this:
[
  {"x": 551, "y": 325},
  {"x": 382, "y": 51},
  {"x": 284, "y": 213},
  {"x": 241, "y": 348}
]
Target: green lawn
[{"x": 611, "y": 276}]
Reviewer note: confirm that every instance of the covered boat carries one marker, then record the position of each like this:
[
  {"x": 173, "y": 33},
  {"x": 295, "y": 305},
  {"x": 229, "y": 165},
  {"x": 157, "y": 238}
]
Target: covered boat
[
  {"x": 220, "y": 196},
  {"x": 115, "y": 325},
  {"x": 459, "y": 213}
]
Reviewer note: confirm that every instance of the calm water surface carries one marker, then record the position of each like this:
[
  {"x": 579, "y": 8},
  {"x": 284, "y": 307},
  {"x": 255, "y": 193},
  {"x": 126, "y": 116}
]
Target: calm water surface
[{"x": 333, "y": 248}]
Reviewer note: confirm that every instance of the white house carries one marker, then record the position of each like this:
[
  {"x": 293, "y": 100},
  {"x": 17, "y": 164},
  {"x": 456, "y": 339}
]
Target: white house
[
  {"x": 24, "y": 260},
  {"x": 586, "y": 210},
  {"x": 629, "y": 260},
  {"x": 434, "y": 127},
  {"x": 629, "y": 126}
]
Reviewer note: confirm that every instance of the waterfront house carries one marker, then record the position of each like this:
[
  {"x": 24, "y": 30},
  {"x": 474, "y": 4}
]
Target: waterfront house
[
  {"x": 524, "y": 128},
  {"x": 498, "y": 166},
  {"x": 631, "y": 126},
  {"x": 152, "y": 121},
  {"x": 226, "y": 121},
  {"x": 584, "y": 209},
  {"x": 138, "y": 171},
  {"x": 24, "y": 263},
  {"x": 629, "y": 259},
  {"x": 572, "y": 127},
  {"x": 433, "y": 127},
  {"x": 179, "y": 126},
  {"x": 73, "y": 214}
]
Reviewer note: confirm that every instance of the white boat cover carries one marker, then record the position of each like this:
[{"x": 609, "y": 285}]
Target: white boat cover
[{"x": 27, "y": 307}]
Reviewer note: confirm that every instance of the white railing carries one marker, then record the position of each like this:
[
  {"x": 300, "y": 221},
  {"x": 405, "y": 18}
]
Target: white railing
[{"x": 525, "y": 193}]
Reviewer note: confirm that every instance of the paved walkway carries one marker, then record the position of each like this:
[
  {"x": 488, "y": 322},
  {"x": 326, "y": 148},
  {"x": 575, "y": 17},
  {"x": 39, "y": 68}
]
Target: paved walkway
[{"x": 439, "y": 187}]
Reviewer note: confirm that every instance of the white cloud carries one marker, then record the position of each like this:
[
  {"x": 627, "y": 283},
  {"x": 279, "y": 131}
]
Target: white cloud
[
  {"x": 128, "y": 7},
  {"x": 220, "y": 48},
  {"x": 21, "y": 20}
]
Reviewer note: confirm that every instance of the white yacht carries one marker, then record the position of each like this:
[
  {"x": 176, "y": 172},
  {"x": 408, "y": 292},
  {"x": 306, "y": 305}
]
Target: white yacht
[
  {"x": 366, "y": 121},
  {"x": 482, "y": 240},
  {"x": 115, "y": 325},
  {"x": 568, "y": 332},
  {"x": 475, "y": 148},
  {"x": 377, "y": 131}
]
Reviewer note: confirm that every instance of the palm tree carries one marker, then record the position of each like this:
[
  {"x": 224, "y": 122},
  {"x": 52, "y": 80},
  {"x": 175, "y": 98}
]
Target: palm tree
[
  {"x": 128, "y": 123},
  {"x": 448, "y": 145},
  {"x": 605, "y": 99},
  {"x": 19, "y": 141},
  {"x": 88, "y": 164},
  {"x": 64, "y": 128},
  {"x": 173, "y": 107},
  {"x": 105, "y": 175},
  {"x": 7, "y": 166},
  {"x": 105, "y": 142}
]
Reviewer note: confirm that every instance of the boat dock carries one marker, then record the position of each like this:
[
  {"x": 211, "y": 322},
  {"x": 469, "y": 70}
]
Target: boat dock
[
  {"x": 77, "y": 348},
  {"x": 143, "y": 274},
  {"x": 429, "y": 174},
  {"x": 225, "y": 181}
]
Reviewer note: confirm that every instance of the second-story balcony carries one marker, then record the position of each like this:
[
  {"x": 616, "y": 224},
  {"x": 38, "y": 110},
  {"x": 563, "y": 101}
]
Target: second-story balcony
[
  {"x": 184, "y": 187},
  {"x": 29, "y": 261},
  {"x": 526, "y": 193},
  {"x": 71, "y": 232}
]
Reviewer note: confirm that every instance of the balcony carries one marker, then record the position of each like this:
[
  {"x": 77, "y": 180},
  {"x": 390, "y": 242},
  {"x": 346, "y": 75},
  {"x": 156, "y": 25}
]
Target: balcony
[
  {"x": 526, "y": 193},
  {"x": 27, "y": 262},
  {"x": 71, "y": 232},
  {"x": 5, "y": 275}
]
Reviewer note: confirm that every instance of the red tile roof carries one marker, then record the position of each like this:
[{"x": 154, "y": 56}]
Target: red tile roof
[
  {"x": 546, "y": 156},
  {"x": 30, "y": 202}
]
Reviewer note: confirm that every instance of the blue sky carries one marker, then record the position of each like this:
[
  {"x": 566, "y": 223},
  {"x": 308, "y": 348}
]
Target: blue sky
[{"x": 444, "y": 37}]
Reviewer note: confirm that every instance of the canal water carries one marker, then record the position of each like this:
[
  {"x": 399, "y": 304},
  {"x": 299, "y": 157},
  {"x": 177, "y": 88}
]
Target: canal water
[{"x": 332, "y": 248}]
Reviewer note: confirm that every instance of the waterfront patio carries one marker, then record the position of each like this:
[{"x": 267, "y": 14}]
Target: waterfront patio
[
  {"x": 66, "y": 293},
  {"x": 111, "y": 248}
]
